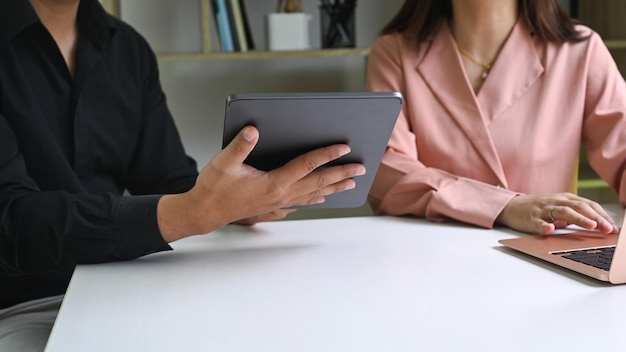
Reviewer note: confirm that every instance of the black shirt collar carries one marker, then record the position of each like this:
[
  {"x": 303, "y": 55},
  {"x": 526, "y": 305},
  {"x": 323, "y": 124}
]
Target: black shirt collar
[
  {"x": 15, "y": 16},
  {"x": 94, "y": 23}
]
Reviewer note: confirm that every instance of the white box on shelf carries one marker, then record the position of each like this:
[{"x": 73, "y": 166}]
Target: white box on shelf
[{"x": 288, "y": 31}]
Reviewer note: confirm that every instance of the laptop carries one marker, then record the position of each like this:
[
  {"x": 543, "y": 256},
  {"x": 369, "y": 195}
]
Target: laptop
[
  {"x": 600, "y": 256},
  {"x": 291, "y": 124}
]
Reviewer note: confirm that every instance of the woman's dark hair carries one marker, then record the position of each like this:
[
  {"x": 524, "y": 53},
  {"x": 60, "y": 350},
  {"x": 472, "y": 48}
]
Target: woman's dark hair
[{"x": 544, "y": 17}]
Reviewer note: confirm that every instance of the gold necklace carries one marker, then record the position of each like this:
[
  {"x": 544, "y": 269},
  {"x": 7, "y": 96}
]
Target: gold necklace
[{"x": 485, "y": 65}]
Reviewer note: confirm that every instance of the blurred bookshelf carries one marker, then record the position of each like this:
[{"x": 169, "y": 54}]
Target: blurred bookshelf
[{"x": 212, "y": 51}]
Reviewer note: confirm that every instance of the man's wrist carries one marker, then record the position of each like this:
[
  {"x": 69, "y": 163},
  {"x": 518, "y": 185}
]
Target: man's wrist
[{"x": 179, "y": 217}]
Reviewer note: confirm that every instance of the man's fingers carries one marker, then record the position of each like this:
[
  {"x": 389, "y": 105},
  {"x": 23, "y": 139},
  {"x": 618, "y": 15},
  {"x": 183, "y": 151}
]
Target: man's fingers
[
  {"x": 271, "y": 216},
  {"x": 305, "y": 164},
  {"x": 318, "y": 195},
  {"x": 331, "y": 180},
  {"x": 240, "y": 147}
]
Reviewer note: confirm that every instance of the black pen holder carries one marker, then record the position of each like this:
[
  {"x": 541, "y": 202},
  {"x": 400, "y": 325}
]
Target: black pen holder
[{"x": 337, "y": 26}]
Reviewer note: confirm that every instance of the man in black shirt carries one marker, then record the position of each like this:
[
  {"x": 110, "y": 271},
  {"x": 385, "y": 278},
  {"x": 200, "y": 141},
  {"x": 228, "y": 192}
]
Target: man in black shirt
[{"x": 83, "y": 119}]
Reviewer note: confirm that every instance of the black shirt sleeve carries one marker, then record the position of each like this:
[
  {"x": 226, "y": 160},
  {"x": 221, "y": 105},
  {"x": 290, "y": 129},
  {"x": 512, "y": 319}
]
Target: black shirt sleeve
[{"x": 46, "y": 230}]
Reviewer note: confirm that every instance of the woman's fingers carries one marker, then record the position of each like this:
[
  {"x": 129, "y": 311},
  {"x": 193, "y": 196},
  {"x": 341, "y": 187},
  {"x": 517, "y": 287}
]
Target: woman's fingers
[
  {"x": 584, "y": 213},
  {"x": 546, "y": 213}
]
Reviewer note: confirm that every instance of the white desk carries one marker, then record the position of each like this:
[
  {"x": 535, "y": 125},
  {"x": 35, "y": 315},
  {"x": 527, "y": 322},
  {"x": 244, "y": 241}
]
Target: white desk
[{"x": 346, "y": 284}]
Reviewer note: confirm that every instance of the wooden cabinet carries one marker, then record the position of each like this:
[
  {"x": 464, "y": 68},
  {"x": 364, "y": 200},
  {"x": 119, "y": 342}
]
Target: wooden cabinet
[{"x": 607, "y": 18}]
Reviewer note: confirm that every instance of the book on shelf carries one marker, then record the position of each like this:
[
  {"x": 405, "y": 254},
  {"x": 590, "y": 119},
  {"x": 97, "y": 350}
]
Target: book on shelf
[
  {"x": 246, "y": 25},
  {"x": 239, "y": 31},
  {"x": 232, "y": 21},
  {"x": 220, "y": 13},
  {"x": 232, "y": 25}
]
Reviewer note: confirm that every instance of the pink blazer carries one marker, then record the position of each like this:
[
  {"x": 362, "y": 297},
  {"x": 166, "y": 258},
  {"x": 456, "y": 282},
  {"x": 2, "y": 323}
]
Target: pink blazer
[{"x": 458, "y": 155}]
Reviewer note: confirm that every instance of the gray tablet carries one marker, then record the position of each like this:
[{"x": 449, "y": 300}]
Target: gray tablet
[{"x": 291, "y": 124}]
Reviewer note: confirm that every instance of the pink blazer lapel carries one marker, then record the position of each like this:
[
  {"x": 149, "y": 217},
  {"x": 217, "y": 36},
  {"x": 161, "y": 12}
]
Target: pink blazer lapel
[
  {"x": 516, "y": 69},
  {"x": 441, "y": 69}
]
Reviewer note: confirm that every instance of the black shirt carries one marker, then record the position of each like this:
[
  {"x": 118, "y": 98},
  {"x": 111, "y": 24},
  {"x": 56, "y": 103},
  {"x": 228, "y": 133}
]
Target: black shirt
[{"x": 71, "y": 146}]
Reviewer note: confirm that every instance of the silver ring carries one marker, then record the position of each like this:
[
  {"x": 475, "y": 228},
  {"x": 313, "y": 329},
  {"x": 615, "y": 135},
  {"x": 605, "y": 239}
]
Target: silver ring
[{"x": 552, "y": 219}]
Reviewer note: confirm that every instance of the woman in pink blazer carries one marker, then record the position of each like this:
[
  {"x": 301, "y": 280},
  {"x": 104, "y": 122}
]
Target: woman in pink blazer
[{"x": 499, "y": 95}]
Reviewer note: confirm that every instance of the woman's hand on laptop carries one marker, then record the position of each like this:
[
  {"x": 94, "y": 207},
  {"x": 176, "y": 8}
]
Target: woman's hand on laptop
[
  {"x": 227, "y": 190},
  {"x": 544, "y": 214}
]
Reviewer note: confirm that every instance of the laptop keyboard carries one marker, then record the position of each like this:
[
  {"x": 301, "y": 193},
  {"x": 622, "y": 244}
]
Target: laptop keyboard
[{"x": 597, "y": 257}]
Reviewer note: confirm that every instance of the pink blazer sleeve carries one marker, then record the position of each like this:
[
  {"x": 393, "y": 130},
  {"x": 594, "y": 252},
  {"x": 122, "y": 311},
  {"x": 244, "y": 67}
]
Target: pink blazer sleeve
[
  {"x": 403, "y": 184},
  {"x": 604, "y": 128}
]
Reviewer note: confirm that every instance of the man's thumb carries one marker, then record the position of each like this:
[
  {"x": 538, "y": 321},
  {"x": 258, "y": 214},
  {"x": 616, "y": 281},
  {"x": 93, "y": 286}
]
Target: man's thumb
[{"x": 243, "y": 143}]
